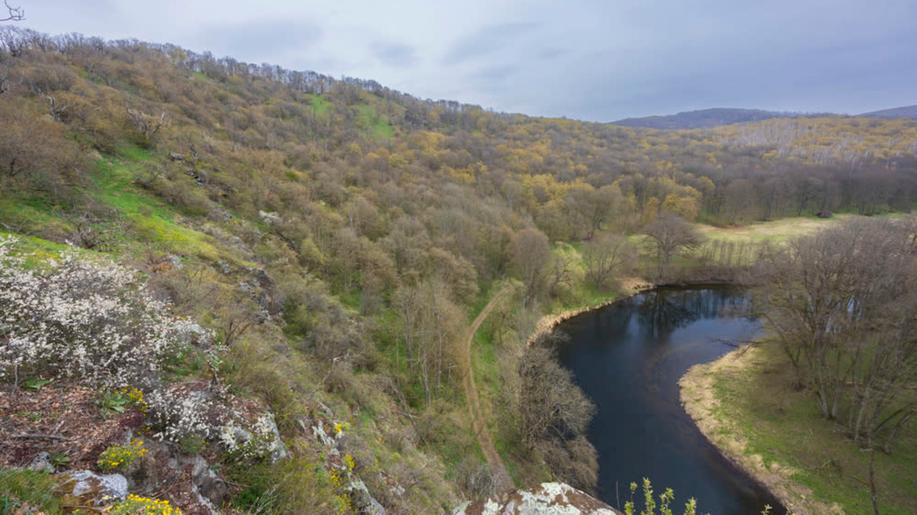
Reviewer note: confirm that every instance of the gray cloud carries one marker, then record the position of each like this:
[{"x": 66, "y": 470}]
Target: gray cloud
[
  {"x": 588, "y": 59},
  {"x": 486, "y": 40},
  {"x": 260, "y": 40},
  {"x": 394, "y": 54}
]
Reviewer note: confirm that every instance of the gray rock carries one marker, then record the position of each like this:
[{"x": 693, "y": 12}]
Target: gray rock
[
  {"x": 545, "y": 499},
  {"x": 104, "y": 488},
  {"x": 278, "y": 449},
  {"x": 207, "y": 484},
  {"x": 363, "y": 501},
  {"x": 318, "y": 431},
  {"x": 41, "y": 463}
]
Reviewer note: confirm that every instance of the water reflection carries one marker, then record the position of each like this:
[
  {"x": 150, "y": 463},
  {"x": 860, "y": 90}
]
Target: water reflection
[{"x": 628, "y": 358}]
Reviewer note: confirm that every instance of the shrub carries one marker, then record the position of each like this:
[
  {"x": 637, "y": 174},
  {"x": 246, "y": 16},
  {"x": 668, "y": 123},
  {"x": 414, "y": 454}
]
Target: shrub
[
  {"x": 93, "y": 322},
  {"x": 118, "y": 457},
  {"x": 136, "y": 505},
  {"x": 182, "y": 416}
]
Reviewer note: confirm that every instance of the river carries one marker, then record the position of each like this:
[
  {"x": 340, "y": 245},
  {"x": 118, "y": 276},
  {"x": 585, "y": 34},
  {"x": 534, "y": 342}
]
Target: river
[{"x": 628, "y": 357}]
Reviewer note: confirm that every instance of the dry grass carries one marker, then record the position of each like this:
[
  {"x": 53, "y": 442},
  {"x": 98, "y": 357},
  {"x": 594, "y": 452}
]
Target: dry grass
[{"x": 775, "y": 231}]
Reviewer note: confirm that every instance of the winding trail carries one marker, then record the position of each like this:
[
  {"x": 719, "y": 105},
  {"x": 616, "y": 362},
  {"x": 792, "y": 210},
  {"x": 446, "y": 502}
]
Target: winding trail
[{"x": 501, "y": 477}]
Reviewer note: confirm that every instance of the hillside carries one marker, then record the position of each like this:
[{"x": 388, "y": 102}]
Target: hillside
[
  {"x": 895, "y": 112},
  {"x": 719, "y": 116},
  {"x": 311, "y": 252}
]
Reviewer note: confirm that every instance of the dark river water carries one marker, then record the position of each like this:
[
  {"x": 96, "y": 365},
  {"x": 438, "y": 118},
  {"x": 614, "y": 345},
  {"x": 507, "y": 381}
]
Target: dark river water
[{"x": 628, "y": 358}]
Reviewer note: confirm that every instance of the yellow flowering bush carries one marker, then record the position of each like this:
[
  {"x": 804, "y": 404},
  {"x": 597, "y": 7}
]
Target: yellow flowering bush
[
  {"x": 135, "y": 396},
  {"x": 350, "y": 462},
  {"x": 136, "y": 505},
  {"x": 340, "y": 427},
  {"x": 119, "y": 456}
]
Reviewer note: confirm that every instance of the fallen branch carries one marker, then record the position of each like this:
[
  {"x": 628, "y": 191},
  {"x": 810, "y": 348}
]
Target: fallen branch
[{"x": 39, "y": 437}]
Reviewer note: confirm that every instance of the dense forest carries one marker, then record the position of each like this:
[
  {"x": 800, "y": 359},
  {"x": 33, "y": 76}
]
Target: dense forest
[{"x": 337, "y": 237}]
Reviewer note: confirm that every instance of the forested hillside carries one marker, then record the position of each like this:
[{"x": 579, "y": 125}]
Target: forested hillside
[{"x": 337, "y": 237}]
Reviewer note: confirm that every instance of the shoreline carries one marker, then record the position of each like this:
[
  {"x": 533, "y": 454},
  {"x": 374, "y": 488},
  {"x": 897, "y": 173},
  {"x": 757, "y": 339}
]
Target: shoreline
[
  {"x": 698, "y": 398},
  {"x": 547, "y": 323},
  {"x": 699, "y": 402}
]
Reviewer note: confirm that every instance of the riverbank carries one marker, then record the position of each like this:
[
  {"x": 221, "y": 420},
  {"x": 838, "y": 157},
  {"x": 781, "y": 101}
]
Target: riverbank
[
  {"x": 745, "y": 405},
  {"x": 546, "y": 324}
]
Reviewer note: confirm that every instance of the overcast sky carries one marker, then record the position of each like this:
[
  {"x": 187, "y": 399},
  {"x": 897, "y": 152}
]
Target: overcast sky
[{"x": 593, "y": 60}]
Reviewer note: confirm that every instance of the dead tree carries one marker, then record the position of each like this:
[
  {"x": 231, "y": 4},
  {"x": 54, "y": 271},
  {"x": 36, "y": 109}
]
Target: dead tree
[{"x": 147, "y": 126}]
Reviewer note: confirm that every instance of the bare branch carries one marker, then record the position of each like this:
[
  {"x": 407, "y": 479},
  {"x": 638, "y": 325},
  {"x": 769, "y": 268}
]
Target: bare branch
[{"x": 13, "y": 13}]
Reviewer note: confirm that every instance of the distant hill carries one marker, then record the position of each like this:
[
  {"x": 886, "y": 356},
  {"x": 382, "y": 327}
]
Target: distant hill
[
  {"x": 717, "y": 116},
  {"x": 895, "y": 112},
  {"x": 702, "y": 118}
]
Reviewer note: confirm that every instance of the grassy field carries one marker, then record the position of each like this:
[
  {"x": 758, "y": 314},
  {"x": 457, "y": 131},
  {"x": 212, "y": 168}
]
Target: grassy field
[
  {"x": 774, "y": 231},
  {"x": 757, "y": 404}
]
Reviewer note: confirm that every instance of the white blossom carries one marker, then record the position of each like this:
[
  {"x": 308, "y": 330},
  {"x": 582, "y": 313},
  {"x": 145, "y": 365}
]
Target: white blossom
[{"x": 94, "y": 322}]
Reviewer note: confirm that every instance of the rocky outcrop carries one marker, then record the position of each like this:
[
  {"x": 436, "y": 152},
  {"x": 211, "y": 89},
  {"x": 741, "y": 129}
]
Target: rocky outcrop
[
  {"x": 96, "y": 489},
  {"x": 545, "y": 499},
  {"x": 363, "y": 501}
]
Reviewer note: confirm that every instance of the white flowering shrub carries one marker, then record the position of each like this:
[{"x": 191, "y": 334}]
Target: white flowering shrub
[
  {"x": 260, "y": 441},
  {"x": 195, "y": 412},
  {"x": 180, "y": 414},
  {"x": 88, "y": 321}
]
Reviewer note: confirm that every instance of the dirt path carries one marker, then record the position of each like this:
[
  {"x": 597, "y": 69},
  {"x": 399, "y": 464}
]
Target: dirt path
[{"x": 478, "y": 422}]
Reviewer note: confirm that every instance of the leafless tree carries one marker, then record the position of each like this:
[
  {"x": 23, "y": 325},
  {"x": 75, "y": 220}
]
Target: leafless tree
[
  {"x": 844, "y": 305},
  {"x": 668, "y": 235},
  {"x": 607, "y": 256},
  {"x": 531, "y": 253},
  {"x": 555, "y": 415},
  {"x": 147, "y": 125},
  {"x": 13, "y": 13}
]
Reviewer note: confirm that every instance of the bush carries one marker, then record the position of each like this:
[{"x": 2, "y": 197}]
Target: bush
[
  {"x": 119, "y": 457},
  {"x": 181, "y": 416},
  {"x": 93, "y": 322},
  {"x": 136, "y": 505}
]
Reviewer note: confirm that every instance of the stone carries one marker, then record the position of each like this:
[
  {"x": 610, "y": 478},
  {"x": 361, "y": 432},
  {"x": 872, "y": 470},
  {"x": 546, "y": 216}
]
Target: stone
[
  {"x": 208, "y": 483},
  {"x": 362, "y": 500},
  {"x": 41, "y": 463},
  {"x": 98, "y": 488},
  {"x": 545, "y": 499}
]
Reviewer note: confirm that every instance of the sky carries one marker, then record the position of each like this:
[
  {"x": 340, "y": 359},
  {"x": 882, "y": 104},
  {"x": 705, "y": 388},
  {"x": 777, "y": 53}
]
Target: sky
[{"x": 584, "y": 59}]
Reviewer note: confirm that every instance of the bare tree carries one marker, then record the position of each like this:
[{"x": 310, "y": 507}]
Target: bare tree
[
  {"x": 13, "y": 13},
  {"x": 530, "y": 253},
  {"x": 844, "y": 305},
  {"x": 668, "y": 235},
  {"x": 431, "y": 322},
  {"x": 147, "y": 126},
  {"x": 607, "y": 256},
  {"x": 556, "y": 414}
]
